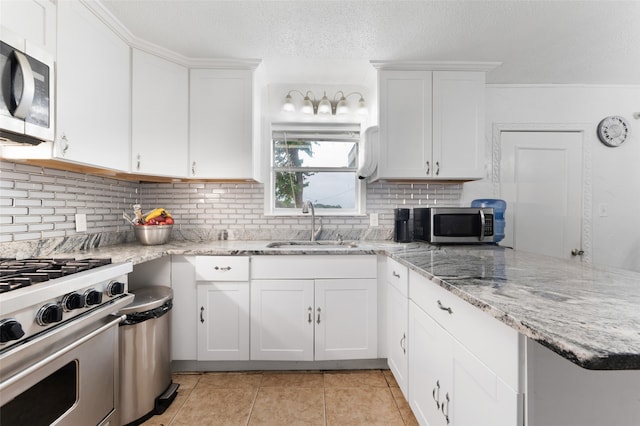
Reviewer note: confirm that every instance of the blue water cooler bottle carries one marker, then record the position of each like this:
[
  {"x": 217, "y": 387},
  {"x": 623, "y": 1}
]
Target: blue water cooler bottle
[{"x": 499, "y": 207}]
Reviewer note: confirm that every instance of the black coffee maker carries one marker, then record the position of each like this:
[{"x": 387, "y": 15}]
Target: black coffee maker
[{"x": 401, "y": 233}]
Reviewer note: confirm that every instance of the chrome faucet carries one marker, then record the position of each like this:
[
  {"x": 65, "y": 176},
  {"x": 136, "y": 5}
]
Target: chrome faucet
[{"x": 315, "y": 233}]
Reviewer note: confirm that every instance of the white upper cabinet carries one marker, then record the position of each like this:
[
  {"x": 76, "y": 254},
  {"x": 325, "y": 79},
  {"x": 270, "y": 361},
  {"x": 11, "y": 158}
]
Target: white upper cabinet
[
  {"x": 159, "y": 116},
  {"x": 431, "y": 122},
  {"x": 93, "y": 96},
  {"x": 31, "y": 20},
  {"x": 221, "y": 123}
]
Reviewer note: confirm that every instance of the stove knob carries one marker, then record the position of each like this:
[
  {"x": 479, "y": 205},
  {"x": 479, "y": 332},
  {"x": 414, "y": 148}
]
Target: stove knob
[
  {"x": 114, "y": 288},
  {"x": 73, "y": 301},
  {"x": 93, "y": 297},
  {"x": 49, "y": 314},
  {"x": 10, "y": 329}
]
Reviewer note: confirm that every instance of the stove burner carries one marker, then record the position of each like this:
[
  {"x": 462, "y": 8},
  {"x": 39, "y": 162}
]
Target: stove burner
[{"x": 15, "y": 274}]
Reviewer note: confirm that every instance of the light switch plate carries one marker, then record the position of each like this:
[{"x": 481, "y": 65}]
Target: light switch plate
[
  {"x": 373, "y": 219},
  {"x": 81, "y": 222}
]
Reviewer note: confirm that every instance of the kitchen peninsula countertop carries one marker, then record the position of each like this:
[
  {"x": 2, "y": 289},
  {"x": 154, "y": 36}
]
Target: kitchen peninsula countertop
[{"x": 588, "y": 314}]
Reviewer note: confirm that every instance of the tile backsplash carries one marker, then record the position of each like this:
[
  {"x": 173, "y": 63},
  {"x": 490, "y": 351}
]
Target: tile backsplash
[{"x": 40, "y": 203}]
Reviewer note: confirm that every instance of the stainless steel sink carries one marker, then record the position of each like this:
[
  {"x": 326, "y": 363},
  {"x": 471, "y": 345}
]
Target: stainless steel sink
[{"x": 325, "y": 244}]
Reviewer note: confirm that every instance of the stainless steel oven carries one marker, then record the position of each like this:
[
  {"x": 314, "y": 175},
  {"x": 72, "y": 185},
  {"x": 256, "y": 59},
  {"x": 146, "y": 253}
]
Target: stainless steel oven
[{"x": 59, "y": 355}]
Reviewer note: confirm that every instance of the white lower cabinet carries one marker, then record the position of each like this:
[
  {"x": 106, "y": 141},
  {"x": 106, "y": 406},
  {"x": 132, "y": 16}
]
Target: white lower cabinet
[
  {"x": 222, "y": 308},
  {"x": 306, "y": 320},
  {"x": 463, "y": 364},
  {"x": 306, "y": 308},
  {"x": 223, "y": 322},
  {"x": 396, "y": 282}
]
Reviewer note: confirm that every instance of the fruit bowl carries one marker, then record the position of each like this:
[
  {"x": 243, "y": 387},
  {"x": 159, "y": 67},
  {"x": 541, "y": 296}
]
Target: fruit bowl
[{"x": 153, "y": 235}]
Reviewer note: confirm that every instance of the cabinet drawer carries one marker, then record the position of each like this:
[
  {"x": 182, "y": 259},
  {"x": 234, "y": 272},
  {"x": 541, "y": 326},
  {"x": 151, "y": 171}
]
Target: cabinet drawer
[
  {"x": 313, "y": 267},
  {"x": 397, "y": 275},
  {"x": 222, "y": 268},
  {"x": 494, "y": 343}
]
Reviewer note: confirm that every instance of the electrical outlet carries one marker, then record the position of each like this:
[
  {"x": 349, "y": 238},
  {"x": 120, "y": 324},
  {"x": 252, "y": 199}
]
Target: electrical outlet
[
  {"x": 81, "y": 222},
  {"x": 373, "y": 219}
]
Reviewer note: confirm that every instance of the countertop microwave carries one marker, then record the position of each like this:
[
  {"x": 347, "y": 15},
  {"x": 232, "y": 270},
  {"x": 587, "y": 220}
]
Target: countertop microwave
[
  {"x": 26, "y": 91},
  {"x": 462, "y": 225}
]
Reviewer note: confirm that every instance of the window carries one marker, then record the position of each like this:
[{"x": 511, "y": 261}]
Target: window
[{"x": 316, "y": 163}]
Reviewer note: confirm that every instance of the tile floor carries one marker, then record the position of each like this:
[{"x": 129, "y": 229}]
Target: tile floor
[{"x": 363, "y": 397}]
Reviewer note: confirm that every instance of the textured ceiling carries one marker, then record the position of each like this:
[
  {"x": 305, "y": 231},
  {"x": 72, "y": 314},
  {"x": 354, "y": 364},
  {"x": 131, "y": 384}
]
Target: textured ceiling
[{"x": 589, "y": 42}]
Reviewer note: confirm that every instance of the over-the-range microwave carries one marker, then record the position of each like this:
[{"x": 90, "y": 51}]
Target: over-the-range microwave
[
  {"x": 26, "y": 91},
  {"x": 463, "y": 225}
]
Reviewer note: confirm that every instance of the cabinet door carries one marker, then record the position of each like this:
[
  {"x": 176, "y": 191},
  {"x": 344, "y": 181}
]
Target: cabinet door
[
  {"x": 223, "y": 324},
  {"x": 282, "y": 320},
  {"x": 31, "y": 20},
  {"x": 93, "y": 97},
  {"x": 159, "y": 116},
  {"x": 346, "y": 319},
  {"x": 405, "y": 124},
  {"x": 429, "y": 369},
  {"x": 398, "y": 309},
  {"x": 220, "y": 124},
  {"x": 458, "y": 124},
  {"x": 184, "y": 314}
]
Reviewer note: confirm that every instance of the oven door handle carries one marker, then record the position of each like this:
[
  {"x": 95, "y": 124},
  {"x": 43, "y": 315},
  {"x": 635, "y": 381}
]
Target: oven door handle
[
  {"x": 483, "y": 221},
  {"x": 43, "y": 362}
]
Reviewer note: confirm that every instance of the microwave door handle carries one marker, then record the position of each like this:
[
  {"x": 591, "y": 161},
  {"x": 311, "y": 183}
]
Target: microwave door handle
[
  {"x": 482, "y": 223},
  {"x": 28, "y": 87}
]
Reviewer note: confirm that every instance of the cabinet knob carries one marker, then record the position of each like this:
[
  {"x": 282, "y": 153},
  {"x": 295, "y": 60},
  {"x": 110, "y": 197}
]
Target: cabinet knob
[{"x": 577, "y": 252}]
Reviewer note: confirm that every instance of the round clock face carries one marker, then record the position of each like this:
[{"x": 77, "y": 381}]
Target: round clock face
[{"x": 613, "y": 131}]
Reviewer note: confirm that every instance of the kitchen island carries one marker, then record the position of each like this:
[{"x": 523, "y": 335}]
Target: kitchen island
[{"x": 588, "y": 314}]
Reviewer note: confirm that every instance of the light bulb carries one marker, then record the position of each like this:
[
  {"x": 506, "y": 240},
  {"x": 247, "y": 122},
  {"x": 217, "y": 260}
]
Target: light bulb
[
  {"x": 324, "y": 107},
  {"x": 342, "y": 107},
  {"x": 288, "y": 105},
  {"x": 362, "y": 107},
  {"x": 307, "y": 106}
]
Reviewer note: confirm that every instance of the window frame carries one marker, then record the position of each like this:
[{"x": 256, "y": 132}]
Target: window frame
[{"x": 317, "y": 128}]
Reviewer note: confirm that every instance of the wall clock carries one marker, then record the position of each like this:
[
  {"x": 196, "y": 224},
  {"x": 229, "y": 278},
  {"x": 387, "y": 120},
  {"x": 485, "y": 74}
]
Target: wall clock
[{"x": 613, "y": 131}]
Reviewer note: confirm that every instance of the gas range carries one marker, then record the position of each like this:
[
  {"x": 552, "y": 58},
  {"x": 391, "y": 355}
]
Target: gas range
[{"x": 39, "y": 294}]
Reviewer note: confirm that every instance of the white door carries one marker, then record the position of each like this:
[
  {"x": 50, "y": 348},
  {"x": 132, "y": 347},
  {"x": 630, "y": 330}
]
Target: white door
[
  {"x": 282, "y": 320},
  {"x": 541, "y": 181},
  {"x": 398, "y": 306},
  {"x": 223, "y": 326},
  {"x": 346, "y": 319}
]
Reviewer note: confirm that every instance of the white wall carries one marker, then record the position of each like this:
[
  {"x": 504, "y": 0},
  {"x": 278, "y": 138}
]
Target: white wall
[{"x": 615, "y": 171}]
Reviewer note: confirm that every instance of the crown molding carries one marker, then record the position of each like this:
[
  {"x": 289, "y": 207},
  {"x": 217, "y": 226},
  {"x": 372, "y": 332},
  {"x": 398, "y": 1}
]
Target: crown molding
[
  {"x": 123, "y": 32},
  {"x": 435, "y": 65}
]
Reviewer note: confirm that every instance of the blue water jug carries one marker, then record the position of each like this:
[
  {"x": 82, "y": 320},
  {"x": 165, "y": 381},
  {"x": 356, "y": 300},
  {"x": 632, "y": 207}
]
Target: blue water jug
[{"x": 499, "y": 207}]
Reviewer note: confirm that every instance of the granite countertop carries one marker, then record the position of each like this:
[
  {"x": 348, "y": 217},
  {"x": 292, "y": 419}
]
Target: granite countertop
[{"x": 588, "y": 314}]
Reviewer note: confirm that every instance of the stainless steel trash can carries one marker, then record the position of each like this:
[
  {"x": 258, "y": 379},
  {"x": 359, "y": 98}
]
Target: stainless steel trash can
[{"x": 145, "y": 355}]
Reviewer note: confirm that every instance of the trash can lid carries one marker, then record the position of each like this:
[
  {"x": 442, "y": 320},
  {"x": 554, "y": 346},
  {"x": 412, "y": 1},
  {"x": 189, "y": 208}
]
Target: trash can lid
[{"x": 148, "y": 298}]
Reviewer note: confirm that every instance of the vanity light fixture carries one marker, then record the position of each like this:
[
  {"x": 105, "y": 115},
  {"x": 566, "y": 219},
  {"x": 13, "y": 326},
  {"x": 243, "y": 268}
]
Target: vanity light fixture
[{"x": 324, "y": 106}]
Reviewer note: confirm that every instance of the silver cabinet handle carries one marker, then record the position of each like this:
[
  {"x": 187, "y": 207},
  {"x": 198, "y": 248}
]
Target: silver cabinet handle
[
  {"x": 444, "y": 308},
  {"x": 428, "y": 168},
  {"x": 222, "y": 268},
  {"x": 318, "y": 321},
  {"x": 395, "y": 274},
  {"x": 310, "y": 315},
  {"x": 138, "y": 164},
  {"x": 437, "y": 168},
  {"x": 446, "y": 402},
  {"x": 64, "y": 140},
  {"x": 436, "y": 394},
  {"x": 577, "y": 252},
  {"x": 402, "y": 343},
  {"x": 193, "y": 168},
  {"x": 202, "y": 314},
  {"x": 23, "y": 105}
]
